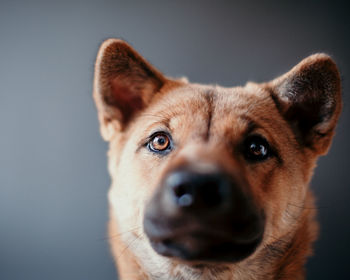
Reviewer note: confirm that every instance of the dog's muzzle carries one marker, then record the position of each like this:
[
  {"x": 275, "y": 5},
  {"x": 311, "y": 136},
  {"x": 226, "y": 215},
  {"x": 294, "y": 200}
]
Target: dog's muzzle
[{"x": 203, "y": 216}]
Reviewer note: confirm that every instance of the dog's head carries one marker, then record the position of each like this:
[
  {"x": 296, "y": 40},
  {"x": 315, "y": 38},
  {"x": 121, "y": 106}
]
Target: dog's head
[{"x": 206, "y": 173}]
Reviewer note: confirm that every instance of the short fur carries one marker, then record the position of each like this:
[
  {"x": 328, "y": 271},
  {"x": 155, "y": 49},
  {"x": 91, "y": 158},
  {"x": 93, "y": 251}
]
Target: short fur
[{"x": 297, "y": 113}]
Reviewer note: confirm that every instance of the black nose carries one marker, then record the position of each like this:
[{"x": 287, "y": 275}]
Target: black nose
[{"x": 194, "y": 190}]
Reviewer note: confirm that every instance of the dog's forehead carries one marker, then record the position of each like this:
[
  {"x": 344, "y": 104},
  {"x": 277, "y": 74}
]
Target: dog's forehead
[
  {"x": 196, "y": 97},
  {"x": 201, "y": 102}
]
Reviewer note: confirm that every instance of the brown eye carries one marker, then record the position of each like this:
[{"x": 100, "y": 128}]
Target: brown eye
[
  {"x": 159, "y": 142},
  {"x": 256, "y": 148}
]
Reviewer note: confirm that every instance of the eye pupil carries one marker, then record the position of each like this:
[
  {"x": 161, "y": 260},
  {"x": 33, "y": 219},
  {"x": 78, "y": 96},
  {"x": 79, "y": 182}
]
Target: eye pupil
[
  {"x": 257, "y": 148},
  {"x": 159, "y": 142}
]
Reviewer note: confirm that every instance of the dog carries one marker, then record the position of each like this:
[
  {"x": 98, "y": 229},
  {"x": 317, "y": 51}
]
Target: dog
[{"x": 211, "y": 182}]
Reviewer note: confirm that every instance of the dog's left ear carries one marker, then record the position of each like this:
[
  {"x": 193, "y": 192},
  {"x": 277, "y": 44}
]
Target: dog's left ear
[
  {"x": 124, "y": 84},
  {"x": 309, "y": 98}
]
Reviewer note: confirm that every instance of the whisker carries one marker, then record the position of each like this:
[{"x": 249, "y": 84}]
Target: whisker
[
  {"x": 119, "y": 234},
  {"x": 306, "y": 207},
  {"x": 283, "y": 241},
  {"x": 280, "y": 239},
  {"x": 127, "y": 246}
]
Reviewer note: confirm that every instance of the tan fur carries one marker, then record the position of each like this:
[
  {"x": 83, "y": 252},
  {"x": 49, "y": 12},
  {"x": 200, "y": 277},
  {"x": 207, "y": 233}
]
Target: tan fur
[{"x": 279, "y": 186}]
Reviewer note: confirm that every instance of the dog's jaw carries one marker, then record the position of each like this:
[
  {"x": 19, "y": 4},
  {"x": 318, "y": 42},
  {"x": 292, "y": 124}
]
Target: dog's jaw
[{"x": 137, "y": 260}]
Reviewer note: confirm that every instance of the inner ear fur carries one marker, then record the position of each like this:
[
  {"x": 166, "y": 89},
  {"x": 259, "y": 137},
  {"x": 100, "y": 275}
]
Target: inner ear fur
[
  {"x": 309, "y": 98},
  {"x": 124, "y": 84}
]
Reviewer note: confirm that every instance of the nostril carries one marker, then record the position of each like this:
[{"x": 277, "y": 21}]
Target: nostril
[{"x": 183, "y": 195}]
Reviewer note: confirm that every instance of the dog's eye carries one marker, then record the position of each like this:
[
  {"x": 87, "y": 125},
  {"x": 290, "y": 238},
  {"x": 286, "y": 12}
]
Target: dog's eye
[
  {"x": 256, "y": 148},
  {"x": 159, "y": 142}
]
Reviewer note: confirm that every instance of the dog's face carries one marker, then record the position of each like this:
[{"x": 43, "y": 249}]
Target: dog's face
[{"x": 206, "y": 174}]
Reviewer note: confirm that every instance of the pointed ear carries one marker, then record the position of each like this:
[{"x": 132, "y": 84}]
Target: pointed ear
[
  {"x": 124, "y": 84},
  {"x": 309, "y": 98}
]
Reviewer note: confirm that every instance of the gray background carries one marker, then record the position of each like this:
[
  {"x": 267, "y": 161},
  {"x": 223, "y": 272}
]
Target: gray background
[{"x": 53, "y": 176}]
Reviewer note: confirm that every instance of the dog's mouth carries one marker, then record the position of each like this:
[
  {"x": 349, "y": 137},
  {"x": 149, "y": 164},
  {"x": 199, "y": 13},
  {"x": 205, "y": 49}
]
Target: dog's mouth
[
  {"x": 204, "y": 247},
  {"x": 199, "y": 241}
]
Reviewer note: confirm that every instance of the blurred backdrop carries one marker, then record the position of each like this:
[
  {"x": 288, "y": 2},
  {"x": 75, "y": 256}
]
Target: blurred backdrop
[{"x": 53, "y": 175}]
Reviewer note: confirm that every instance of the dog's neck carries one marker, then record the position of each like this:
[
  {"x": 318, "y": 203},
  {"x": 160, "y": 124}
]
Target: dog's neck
[{"x": 282, "y": 259}]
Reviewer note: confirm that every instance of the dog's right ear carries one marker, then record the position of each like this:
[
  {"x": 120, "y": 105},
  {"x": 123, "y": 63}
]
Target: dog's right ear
[
  {"x": 124, "y": 84},
  {"x": 309, "y": 98}
]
